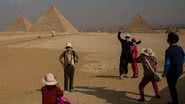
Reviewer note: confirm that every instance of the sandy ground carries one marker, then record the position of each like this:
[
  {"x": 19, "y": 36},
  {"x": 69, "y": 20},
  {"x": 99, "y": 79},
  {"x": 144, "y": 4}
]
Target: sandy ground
[{"x": 25, "y": 58}]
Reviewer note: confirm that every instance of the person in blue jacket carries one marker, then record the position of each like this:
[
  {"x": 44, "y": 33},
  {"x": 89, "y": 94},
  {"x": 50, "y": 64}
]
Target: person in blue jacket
[{"x": 173, "y": 68}]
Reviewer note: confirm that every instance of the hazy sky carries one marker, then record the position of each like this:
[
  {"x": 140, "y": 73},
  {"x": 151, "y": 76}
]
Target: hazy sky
[{"x": 82, "y": 13}]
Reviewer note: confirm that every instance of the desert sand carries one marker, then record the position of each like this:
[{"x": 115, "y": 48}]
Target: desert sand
[{"x": 25, "y": 59}]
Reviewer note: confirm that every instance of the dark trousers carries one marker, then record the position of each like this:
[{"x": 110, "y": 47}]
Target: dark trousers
[
  {"x": 68, "y": 77},
  {"x": 172, "y": 82},
  {"x": 144, "y": 82},
  {"x": 123, "y": 66}
]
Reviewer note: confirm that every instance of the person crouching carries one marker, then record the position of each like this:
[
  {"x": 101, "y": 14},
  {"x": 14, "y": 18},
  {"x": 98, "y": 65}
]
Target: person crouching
[{"x": 50, "y": 90}]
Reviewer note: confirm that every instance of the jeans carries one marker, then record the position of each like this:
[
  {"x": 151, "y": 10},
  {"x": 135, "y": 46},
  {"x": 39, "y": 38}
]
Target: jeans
[
  {"x": 68, "y": 77},
  {"x": 123, "y": 66},
  {"x": 172, "y": 82}
]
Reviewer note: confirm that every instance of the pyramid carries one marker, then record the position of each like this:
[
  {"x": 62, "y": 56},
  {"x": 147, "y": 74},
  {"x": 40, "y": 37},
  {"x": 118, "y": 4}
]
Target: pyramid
[
  {"x": 171, "y": 29},
  {"x": 139, "y": 25},
  {"x": 53, "y": 20},
  {"x": 21, "y": 24}
]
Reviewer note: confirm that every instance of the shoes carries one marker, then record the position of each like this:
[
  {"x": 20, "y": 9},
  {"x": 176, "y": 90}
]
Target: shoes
[
  {"x": 141, "y": 100},
  {"x": 71, "y": 90},
  {"x": 123, "y": 76},
  {"x": 158, "y": 96},
  {"x": 134, "y": 77},
  {"x": 172, "y": 103}
]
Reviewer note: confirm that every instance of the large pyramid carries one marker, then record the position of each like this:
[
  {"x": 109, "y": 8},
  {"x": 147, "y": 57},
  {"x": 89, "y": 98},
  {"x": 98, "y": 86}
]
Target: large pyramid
[
  {"x": 53, "y": 20},
  {"x": 20, "y": 25},
  {"x": 139, "y": 25}
]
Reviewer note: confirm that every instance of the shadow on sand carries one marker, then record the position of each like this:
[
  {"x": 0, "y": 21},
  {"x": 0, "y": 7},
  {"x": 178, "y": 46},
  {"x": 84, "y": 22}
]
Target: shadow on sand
[
  {"x": 166, "y": 95},
  {"x": 111, "y": 96},
  {"x": 108, "y": 76},
  {"x": 120, "y": 97}
]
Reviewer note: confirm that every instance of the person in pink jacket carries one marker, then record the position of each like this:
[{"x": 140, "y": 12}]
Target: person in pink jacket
[{"x": 134, "y": 52}]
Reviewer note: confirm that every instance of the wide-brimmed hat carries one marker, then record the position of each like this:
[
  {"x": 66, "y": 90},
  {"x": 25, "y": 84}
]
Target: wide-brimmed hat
[
  {"x": 68, "y": 45},
  {"x": 147, "y": 52},
  {"x": 49, "y": 79},
  {"x": 127, "y": 36}
]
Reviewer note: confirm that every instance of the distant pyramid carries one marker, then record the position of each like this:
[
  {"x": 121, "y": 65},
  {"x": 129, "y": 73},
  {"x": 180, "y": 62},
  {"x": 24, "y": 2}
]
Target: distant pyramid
[
  {"x": 171, "y": 29},
  {"x": 53, "y": 20},
  {"x": 21, "y": 24},
  {"x": 139, "y": 25}
]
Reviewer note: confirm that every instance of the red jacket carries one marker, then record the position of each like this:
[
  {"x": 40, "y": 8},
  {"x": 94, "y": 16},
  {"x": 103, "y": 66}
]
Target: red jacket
[
  {"x": 49, "y": 95},
  {"x": 134, "y": 49}
]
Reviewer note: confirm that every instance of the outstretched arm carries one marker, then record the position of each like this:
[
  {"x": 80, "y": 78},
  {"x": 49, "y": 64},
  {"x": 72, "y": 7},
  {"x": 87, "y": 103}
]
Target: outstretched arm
[
  {"x": 139, "y": 59},
  {"x": 138, "y": 42},
  {"x": 119, "y": 36}
]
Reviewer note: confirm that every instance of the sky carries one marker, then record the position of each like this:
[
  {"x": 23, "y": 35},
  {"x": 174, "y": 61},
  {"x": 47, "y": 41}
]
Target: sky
[{"x": 91, "y": 13}]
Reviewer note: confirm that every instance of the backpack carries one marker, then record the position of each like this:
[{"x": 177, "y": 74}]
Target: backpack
[
  {"x": 63, "y": 100},
  {"x": 130, "y": 54}
]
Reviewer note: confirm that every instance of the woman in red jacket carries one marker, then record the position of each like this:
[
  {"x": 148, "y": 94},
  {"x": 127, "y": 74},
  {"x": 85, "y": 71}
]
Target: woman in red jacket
[
  {"x": 50, "y": 90},
  {"x": 134, "y": 53}
]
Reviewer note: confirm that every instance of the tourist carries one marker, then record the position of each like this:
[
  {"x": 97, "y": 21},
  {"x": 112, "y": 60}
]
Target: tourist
[
  {"x": 134, "y": 55},
  {"x": 70, "y": 59},
  {"x": 173, "y": 68},
  {"x": 50, "y": 90},
  {"x": 149, "y": 62},
  {"x": 125, "y": 44}
]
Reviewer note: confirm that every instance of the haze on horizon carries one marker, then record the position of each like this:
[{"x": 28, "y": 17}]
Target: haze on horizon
[{"x": 89, "y": 13}]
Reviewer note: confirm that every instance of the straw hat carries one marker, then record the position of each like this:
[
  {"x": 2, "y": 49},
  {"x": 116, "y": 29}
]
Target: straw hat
[
  {"x": 49, "y": 79},
  {"x": 68, "y": 44},
  {"x": 127, "y": 36},
  {"x": 147, "y": 52}
]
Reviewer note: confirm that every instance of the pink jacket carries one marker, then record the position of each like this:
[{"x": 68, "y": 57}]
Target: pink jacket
[{"x": 134, "y": 49}]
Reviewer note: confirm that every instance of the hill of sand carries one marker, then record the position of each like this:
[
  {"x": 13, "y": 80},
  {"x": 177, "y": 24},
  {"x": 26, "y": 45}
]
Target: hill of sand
[{"x": 26, "y": 58}]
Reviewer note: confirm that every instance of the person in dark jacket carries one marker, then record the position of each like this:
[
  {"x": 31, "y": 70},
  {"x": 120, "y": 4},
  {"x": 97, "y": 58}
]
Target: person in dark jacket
[
  {"x": 173, "y": 68},
  {"x": 125, "y": 44},
  {"x": 70, "y": 59}
]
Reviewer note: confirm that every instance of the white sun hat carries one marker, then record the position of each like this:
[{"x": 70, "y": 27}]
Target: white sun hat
[
  {"x": 148, "y": 52},
  {"x": 49, "y": 79},
  {"x": 69, "y": 44}
]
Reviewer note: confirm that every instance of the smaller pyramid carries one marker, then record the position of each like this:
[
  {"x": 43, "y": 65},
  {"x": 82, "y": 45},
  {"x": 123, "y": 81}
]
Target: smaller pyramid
[
  {"x": 171, "y": 29},
  {"x": 53, "y": 20},
  {"x": 21, "y": 24},
  {"x": 139, "y": 25}
]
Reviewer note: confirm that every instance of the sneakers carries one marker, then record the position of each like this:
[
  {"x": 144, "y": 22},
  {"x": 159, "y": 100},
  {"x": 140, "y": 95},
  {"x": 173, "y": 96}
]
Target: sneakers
[
  {"x": 134, "y": 77},
  {"x": 123, "y": 76},
  {"x": 158, "y": 96},
  {"x": 71, "y": 90},
  {"x": 141, "y": 100}
]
